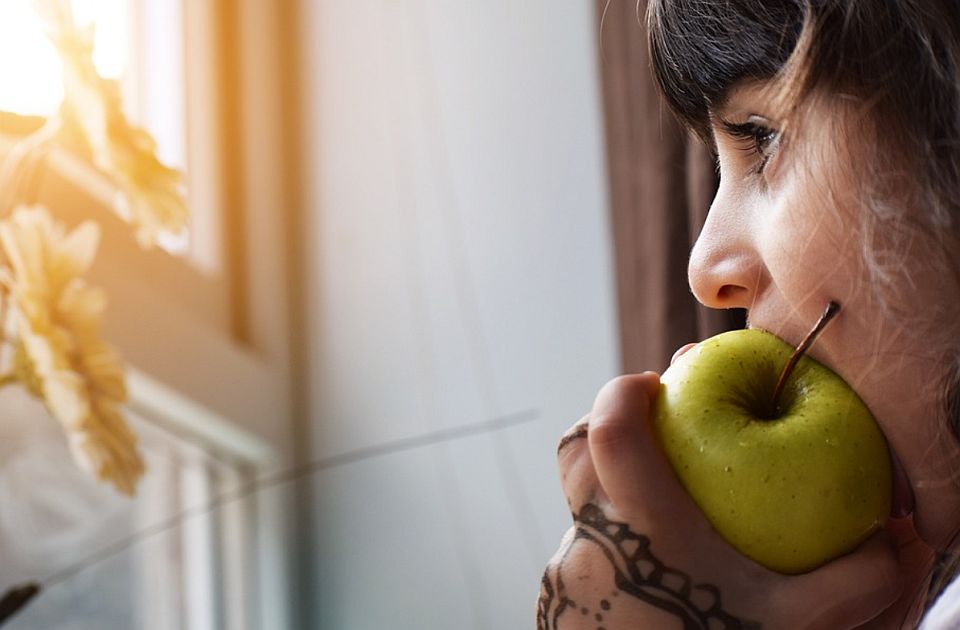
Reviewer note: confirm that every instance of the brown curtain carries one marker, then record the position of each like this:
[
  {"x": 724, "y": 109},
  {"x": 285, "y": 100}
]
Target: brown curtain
[{"x": 661, "y": 183}]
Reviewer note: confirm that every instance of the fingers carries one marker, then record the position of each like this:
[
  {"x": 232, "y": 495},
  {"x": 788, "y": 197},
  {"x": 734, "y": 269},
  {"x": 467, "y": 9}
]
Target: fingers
[
  {"x": 624, "y": 450},
  {"x": 578, "y": 479},
  {"x": 612, "y": 458},
  {"x": 869, "y": 578},
  {"x": 574, "y": 433}
]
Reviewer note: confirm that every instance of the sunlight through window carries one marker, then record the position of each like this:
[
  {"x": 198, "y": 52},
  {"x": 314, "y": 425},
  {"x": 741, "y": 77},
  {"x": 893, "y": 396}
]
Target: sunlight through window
[
  {"x": 31, "y": 79},
  {"x": 133, "y": 40}
]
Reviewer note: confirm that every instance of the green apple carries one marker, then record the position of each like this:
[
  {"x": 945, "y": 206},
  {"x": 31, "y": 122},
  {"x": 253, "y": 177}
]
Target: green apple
[{"x": 791, "y": 487}]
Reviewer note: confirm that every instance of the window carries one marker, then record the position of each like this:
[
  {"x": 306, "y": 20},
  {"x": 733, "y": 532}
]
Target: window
[
  {"x": 141, "y": 44},
  {"x": 207, "y": 335},
  {"x": 134, "y": 40},
  {"x": 112, "y": 563}
]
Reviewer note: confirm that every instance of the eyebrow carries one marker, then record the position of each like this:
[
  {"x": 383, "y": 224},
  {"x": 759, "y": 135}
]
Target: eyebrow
[
  {"x": 749, "y": 89},
  {"x": 720, "y": 102}
]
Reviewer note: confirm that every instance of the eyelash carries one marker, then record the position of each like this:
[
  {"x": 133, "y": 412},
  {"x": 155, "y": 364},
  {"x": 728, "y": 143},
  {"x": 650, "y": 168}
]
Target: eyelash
[{"x": 763, "y": 141}]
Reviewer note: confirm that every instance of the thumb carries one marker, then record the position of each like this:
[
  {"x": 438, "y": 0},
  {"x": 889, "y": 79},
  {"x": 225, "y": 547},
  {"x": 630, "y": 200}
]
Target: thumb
[{"x": 626, "y": 455}]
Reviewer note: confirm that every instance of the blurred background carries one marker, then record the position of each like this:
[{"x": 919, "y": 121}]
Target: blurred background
[{"x": 424, "y": 233}]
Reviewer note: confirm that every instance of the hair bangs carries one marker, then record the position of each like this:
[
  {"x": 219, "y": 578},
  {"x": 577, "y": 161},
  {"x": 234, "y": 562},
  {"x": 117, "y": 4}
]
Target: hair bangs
[{"x": 701, "y": 48}]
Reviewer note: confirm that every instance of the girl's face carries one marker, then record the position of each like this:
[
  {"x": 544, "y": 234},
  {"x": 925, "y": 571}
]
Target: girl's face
[{"x": 785, "y": 235}]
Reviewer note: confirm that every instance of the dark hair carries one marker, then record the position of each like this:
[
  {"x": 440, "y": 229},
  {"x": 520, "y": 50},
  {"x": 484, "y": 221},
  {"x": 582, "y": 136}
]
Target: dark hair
[
  {"x": 701, "y": 49},
  {"x": 898, "y": 58},
  {"x": 898, "y": 61}
]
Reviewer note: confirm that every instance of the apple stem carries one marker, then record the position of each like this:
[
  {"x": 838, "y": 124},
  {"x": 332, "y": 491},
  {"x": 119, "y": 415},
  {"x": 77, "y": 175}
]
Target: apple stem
[{"x": 832, "y": 309}]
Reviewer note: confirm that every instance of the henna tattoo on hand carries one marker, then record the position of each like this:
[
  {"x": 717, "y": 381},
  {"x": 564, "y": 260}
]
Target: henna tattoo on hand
[
  {"x": 637, "y": 573},
  {"x": 578, "y": 432}
]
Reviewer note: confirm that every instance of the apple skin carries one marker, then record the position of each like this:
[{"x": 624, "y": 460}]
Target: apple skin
[{"x": 790, "y": 492}]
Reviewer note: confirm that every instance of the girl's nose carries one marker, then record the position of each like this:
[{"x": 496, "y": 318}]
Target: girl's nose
[{"x": 725, "y": 269}]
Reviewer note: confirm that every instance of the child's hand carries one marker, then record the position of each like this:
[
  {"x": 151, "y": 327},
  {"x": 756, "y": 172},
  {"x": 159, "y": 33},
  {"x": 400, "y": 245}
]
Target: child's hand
[{"x": 642, "y": 555}]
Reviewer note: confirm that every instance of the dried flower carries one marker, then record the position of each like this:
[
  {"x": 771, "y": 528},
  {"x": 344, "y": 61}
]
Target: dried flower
[
  {"x": 54, "y": 316},
  {"x": 150, "y": 194}
]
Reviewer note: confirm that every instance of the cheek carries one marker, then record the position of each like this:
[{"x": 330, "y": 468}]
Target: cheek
[{"x": 811, "y": 251}]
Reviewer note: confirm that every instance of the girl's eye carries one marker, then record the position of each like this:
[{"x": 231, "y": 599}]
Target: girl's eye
[{"x": 757, "y": 138}]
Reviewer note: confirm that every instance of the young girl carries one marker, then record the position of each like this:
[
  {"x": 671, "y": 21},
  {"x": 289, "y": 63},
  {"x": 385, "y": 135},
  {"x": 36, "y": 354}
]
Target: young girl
[{"x": 836, "y": 126}]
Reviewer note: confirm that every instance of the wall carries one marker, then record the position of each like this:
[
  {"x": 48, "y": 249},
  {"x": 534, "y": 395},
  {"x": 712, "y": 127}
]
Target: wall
[{"x": 459, "y": 272}]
